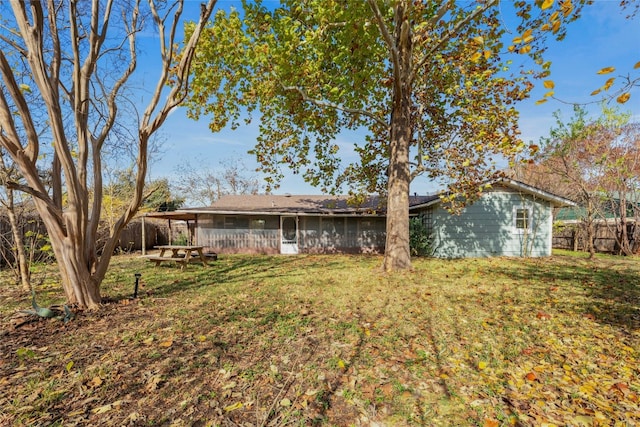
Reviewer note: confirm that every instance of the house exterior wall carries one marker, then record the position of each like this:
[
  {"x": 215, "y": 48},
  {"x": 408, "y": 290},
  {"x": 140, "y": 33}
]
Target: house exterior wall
[
  {"x": 316, "y": 234},
  {"x": 488, "y": 227},
  {"x": 328, "y": 234},
  {"x": 239, "y": 233}
]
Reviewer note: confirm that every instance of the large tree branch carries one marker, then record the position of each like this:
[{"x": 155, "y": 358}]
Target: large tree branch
[
  {"x": 6, "y": 119},
  {"x": 332, "y": 105},
  {"x": 386, "y": 35},
  {"x": 33, "y": 35},
  {"x": 450, "y": 34},
  {"x": 38, "y": 194},
  {"x": 112, "y": 106}
]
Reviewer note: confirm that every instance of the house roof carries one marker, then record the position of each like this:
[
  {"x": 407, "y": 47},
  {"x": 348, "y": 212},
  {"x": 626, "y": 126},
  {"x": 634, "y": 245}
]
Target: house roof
[
  {"x": 270, "y": 204},
  {"x": 555, "y": 200},
  {"x": 172, "y": 215}
]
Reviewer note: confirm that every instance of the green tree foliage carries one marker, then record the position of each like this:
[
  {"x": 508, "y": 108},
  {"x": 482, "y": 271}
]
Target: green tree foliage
[
  {"x": 431, "y": 84},
  {"x": 157, "y": 196}
]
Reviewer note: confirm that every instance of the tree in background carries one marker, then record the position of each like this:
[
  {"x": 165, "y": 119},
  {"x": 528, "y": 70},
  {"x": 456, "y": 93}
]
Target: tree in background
[
  {"x": 8, "y": 173},
  {"x": 621, "y": 179},
  {"x": 431, "y": 83},
  {"x": 204, "y": 186},
  {"x": 568, "y": 155},
  {"x": 595, "y": 162},
  {"x": 65, "y": 69},
  {"x": 157, "y": 195}
]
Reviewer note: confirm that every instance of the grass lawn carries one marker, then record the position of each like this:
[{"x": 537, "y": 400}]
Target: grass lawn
[{"x": 331, "y": 340}]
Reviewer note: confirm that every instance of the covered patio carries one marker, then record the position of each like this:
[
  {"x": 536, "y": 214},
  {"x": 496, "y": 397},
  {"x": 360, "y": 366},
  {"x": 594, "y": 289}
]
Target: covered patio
[{"x": 190, "y": 218}]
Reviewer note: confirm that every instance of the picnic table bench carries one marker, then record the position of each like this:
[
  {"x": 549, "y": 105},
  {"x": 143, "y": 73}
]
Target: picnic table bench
[{"x": 180, "y": 254}]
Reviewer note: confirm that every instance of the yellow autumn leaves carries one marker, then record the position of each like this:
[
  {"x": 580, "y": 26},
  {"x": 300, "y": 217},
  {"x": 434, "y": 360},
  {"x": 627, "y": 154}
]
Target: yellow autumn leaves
[
  {"x": 625, "y": 95},
  {"x": 621, "y": 99},
  {"x": 486, "y": 54},
  {"x": 548, "y": 84},
  {"x": 522, "y": 44}
]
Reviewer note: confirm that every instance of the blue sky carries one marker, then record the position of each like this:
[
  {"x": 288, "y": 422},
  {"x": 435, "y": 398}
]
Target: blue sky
[{"x": 601, "y": 38}]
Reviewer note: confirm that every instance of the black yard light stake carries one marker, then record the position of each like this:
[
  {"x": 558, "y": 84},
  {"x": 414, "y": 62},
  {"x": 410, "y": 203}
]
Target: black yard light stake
[{"x": 135, "y": 290}]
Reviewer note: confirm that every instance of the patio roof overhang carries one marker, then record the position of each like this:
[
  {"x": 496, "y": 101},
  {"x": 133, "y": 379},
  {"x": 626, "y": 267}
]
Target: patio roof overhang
[{"x": 173, "y": 215}]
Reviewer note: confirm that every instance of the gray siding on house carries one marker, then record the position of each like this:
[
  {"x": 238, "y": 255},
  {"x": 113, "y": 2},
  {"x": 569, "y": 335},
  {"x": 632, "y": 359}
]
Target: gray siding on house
[
  {"x": 239, "y": 233},
  {"x": 487, "y": 228}
]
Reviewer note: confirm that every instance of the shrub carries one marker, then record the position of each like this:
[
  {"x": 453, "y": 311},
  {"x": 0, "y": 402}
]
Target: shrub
[{"x": 419, "y": 238}]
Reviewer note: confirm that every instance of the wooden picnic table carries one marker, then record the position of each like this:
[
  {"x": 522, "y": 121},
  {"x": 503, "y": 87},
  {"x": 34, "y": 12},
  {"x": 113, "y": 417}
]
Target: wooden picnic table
[{"x": 180, "y": 254}]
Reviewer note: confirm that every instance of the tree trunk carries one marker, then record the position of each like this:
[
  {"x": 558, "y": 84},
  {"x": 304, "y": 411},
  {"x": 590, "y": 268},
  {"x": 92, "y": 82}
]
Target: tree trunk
[
  {"x": 80, "y": 285},
  {"x": 397, "y": 253},
  {"x": 623, "y": 235},
  {"x": 590, "y": 238},
  {"x": 20, "y": 254},
  {"x": 81, "y": 288}
]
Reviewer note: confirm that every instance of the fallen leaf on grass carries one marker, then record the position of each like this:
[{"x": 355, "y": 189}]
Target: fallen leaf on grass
[
  {"x": 285, "y": 402},
  {"x": 154, "y": 382},
  {"x": 166, "y": 344},
  {"x": 620, "y": 388},
  {"x": 95, "y": 382},
  {"x": 488, "y": 422},
  {"x": 233, "y": 407},
  {"x": 106, "y": 408}
]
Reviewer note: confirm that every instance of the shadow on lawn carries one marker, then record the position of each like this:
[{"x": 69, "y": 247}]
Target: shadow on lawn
[
  {"x": 612, "y": 294},
  {"x": 233, "y": 270}
]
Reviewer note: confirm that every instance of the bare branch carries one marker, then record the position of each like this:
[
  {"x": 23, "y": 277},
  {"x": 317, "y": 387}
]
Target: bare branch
[
  {"x": 43, "y": 197},
  {"x": 6, "y": 119},
  {"x": 148, "y": 125}
]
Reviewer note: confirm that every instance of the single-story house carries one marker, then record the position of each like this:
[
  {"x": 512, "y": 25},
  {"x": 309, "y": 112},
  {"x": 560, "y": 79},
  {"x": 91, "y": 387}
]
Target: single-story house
[{"x": 509, "y": 219}]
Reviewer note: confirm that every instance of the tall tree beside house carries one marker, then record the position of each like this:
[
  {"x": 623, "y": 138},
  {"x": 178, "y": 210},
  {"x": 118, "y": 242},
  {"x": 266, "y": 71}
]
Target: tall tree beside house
[
  {"x": 66, "y": 69},
  {"x": 432, "y": 84}
]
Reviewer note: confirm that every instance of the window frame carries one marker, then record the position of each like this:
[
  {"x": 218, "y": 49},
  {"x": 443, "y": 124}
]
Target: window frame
[{"x": 529, "y": 219}]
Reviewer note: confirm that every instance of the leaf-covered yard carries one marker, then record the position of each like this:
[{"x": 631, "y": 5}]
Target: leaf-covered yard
[{"x": 331, "y": 340}]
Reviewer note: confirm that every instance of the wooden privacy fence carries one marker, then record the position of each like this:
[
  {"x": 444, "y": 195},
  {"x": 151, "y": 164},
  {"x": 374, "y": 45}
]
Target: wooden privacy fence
[
  {"x": 34, "y": 234},
  {"x": 156, "y": 233},
  {"x": 574, "y": 237}
]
